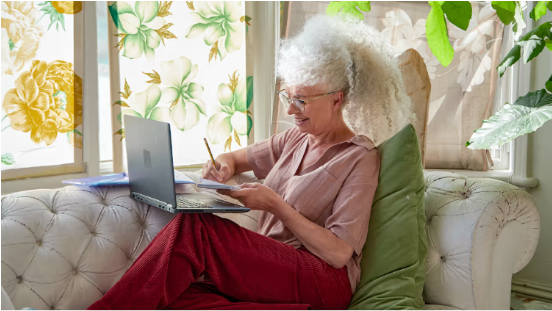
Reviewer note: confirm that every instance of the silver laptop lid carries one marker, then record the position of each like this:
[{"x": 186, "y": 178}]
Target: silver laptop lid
[{"x": 149, "y": 158}]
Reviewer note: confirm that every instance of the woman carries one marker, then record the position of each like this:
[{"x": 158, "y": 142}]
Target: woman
[{"x": 320, "y": 180}]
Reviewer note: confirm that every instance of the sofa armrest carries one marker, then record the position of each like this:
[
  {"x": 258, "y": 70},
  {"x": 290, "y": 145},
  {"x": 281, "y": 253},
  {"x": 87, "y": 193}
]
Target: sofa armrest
[{"x": 480, "y": 232}]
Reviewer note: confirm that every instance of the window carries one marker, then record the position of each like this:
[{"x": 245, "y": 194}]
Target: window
[
  {"x": 173, "y": 64},
  {"x": 461, "y": 94},
  {"x": 42, "y": 70}
]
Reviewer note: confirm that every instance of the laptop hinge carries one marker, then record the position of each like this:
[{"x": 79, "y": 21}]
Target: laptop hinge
[{"x": 151, "y": 201}]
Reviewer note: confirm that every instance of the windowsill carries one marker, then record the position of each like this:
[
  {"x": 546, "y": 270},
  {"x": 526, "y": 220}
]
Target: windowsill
[
  {"x": 106, "y": 167},
  {"x": 502, "y": 175}
]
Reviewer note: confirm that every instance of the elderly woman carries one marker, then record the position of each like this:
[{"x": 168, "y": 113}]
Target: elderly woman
[{"x": 320, "y": 180}]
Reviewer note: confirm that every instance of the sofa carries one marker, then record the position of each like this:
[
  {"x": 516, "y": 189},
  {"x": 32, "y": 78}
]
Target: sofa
[{"x": 64, "y": 248}]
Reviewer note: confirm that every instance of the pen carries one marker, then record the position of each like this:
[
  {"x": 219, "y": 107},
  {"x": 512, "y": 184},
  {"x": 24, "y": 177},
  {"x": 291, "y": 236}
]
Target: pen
[{"x": 210, "y": 154}]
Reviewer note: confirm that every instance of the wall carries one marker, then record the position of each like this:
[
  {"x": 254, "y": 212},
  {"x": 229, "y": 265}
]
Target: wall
[{"x": 539, "y": 154}]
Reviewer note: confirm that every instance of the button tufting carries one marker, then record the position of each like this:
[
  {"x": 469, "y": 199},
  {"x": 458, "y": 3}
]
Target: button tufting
[
  {"x": 39, "y": 242},
  {"x": 52, "y": 308},
  {"x": 75, "y": 271},
  {"x": 443, "y": 259},
  {"x": 18, "y": 279}
]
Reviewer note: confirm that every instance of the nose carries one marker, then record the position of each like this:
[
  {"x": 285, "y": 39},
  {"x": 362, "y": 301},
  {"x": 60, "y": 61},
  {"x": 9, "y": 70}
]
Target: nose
[{"x": 292, "y": 109}]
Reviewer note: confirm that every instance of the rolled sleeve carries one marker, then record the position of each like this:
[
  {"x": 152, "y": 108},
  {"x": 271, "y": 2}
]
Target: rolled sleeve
[{"x": 352, "y": 207}]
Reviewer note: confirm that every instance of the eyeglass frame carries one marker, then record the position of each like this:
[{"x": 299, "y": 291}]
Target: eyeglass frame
[{"x": 304, "y": 102}]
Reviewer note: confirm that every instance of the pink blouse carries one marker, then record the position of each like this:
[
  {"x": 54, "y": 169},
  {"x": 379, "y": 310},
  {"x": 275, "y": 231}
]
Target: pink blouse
[{"x": 336, "y": 192}]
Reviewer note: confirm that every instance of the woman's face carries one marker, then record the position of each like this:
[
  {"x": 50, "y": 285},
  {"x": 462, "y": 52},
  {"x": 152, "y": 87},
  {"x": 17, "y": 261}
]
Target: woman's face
[{"x": 318, "y": 114}]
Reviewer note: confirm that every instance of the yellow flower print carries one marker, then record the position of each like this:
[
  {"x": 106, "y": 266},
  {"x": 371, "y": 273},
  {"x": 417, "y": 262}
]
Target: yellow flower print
[
  {"x": 19, "y": 18},
  {"x": 67, "y": 7},
  {"x": 47, "y": 100}
]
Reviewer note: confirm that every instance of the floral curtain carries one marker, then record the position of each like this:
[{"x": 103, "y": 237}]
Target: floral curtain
[
  {"x": 462, "y": 94},
  {"x": 182, "y": 63},
  {"x": 41, "y": 85}
]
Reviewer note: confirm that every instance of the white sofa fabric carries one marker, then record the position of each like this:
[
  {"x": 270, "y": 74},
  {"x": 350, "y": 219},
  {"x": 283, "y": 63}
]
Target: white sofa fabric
[{"x": 64, "y": 248}]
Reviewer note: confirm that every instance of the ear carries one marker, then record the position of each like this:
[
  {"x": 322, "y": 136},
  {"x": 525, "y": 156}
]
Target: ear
[{"x": 337, "y": 100}]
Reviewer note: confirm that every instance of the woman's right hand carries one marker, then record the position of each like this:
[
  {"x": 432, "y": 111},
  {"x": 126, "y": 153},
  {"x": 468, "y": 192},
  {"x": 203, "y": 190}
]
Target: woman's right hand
[{"x": 210, "y": 172}]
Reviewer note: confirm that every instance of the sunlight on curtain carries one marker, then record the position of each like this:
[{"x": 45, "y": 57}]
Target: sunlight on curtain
[
  {"x": 41, "y": 95},
  {"x": 184, "y": 63},
  {"x": 462, "y": 94}
]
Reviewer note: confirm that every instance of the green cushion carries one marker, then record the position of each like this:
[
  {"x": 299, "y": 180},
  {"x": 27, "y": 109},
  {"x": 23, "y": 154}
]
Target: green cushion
[{"x": 394, "y": 256}]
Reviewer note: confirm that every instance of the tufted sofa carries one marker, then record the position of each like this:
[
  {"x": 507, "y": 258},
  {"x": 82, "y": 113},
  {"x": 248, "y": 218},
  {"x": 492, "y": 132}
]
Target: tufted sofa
[{"x": 64, "y": 248}]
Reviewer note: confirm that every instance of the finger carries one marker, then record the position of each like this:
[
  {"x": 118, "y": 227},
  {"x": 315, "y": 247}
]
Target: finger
[
  {"x": 248, "y": 185},
  {"x": 225, "y": 173}
]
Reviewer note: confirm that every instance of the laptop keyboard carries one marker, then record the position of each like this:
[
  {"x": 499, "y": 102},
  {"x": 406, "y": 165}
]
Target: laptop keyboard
[{"x": 187, "y": 203}]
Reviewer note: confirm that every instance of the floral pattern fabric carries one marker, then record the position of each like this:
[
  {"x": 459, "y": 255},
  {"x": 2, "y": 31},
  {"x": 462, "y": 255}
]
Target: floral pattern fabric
[
  {"x": 41, "y": 92},
  {"x": 183, "y": 63}
]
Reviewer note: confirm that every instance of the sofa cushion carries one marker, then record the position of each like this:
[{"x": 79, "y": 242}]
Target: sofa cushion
[{"x": 393, "y": 258}]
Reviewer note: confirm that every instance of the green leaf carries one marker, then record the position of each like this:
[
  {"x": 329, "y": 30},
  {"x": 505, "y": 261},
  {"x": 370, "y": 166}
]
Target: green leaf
[
  {"x": 249, "y": 125},
  {"x": 436, "y": 33},
  {"x": 458, "y": 13},
  {"x": 548, "y": 43},
  {"x": 118, "y": 8},
  {"x": 8, "y": 159},
  {"x": 535, "y": 99},
  {"x": 511, "y": 58},
  {"x": 349, "y": 7},
  {"x": 539, "y": 10},
  {"x": 505, "y": 10},
  {"x": 11, "y": 45},
  {"x": 519, "y": 20},
  {"x": 532, "y": 43},
  {"x": 249, "y": 91},
  {"x": 548, "y": 84},
  {"x": 508, "y": 123}
]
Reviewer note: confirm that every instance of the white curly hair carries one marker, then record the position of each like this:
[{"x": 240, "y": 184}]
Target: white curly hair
[{"x": 348, "y": 55}]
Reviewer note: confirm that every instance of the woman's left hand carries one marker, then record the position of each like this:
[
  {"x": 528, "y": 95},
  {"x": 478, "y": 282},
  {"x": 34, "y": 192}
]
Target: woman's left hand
[{"x": 255, "y": 196}]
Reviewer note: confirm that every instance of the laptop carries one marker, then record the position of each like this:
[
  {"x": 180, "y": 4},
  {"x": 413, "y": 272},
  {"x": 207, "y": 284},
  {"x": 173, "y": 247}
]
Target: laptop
[{"x": 151, "y": 171}]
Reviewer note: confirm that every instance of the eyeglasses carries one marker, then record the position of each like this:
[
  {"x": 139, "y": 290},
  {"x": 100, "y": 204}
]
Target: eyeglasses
[{"x": 299, "y": 103}]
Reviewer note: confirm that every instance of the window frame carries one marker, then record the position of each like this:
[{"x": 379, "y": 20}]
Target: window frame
[{"x": 51, "y": 176}]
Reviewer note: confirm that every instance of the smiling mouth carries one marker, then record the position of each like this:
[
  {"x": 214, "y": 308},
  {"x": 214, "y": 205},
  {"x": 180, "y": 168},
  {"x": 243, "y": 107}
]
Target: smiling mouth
[{"x": 299, "y": 121}]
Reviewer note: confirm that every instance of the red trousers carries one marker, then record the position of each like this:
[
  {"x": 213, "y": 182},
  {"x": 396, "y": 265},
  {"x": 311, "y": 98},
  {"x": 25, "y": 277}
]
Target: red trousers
[{"x": 246, "y": 271}]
